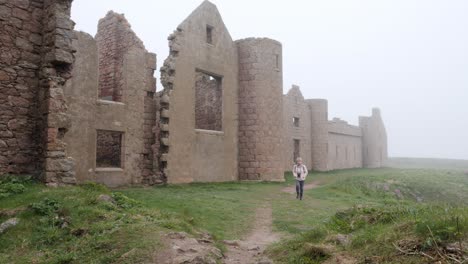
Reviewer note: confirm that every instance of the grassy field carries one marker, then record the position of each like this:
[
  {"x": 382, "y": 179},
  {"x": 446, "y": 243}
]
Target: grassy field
[
  {"x": 71, "y": 225},
  {"x": 376, "y": 212},
  {"x": 426, "y": 163}
]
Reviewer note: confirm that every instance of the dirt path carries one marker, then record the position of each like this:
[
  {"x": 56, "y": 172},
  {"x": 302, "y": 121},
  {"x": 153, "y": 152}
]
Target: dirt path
[
  {"x": 292, "y": 189},
  {"x": 250, "y": 249}
]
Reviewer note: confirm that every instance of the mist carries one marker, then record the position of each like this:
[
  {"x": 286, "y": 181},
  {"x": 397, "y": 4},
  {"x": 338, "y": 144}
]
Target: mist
[{"x": 409, "y": 58}]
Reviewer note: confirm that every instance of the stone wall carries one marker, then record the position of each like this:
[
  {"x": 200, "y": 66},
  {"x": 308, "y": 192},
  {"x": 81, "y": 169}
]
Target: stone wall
[
  {"x": 20, "y": 61},
  {"x": 328, "y": 145},
  {"x": 344, "y": 145},
  {"x": 189, "y": 154},
  {"x": 59, "y": 167},
  {"x": 294, "y": 106},
  {"x": 374, "y": 147},
  {"x": 36, "y": 59},
  {"x": 81, "y": 93},
  {"x": 221, "y": 113},
  {"x": 134, "y": 117},
  {"x": 319, "y": 133},
  {"x": 260, "y": 110}
]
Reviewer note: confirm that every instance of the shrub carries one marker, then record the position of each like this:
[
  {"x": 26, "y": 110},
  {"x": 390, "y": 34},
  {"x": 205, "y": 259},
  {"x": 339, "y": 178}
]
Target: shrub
[
  {"x": 315, "y": 253},
  {"x": 123, "y": 201},
  {"x": 95, "y": 187},
  {"x": 9, "y": 189},
  {"x": 11, "y": 185},
  {"x": 315, "y": 235},
  {"x": 46, "y": 207},
  {"x": 443, "y": 227}
]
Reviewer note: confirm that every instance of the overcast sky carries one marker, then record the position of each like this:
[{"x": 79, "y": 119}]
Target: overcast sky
[{"x": 407, "y": 57}]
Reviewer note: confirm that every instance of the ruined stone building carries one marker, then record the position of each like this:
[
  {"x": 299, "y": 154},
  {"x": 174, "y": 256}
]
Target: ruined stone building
[
  {"x": 77, "y": 108},
  {"x": 330, "y": 145}
]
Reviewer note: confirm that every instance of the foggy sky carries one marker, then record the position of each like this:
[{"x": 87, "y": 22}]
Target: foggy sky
[{"x": 407, "y": 57}]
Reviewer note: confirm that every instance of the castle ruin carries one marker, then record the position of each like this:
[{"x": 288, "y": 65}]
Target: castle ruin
[{"x": 76, "y": 108}]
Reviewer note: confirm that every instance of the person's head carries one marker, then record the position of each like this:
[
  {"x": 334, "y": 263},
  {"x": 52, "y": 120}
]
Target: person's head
[{"x": 299, "y": 161}]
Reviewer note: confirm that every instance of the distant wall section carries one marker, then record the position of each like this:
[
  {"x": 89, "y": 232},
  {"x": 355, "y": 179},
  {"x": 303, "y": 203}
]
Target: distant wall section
[
  {"x": 297, "y": 129},
  {"x": 375, "y": 153},
  {"x": 344, "y": 147}
]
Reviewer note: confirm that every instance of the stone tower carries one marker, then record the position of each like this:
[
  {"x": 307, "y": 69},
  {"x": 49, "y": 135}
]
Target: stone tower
[
  {"x": 374, "y": 138},
  {"x": 319, "y": 133},
  {"x": 260, "y": 109}
]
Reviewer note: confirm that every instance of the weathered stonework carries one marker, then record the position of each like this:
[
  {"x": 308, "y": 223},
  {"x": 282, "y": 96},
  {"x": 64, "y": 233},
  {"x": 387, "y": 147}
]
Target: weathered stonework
[
  {"x": 189, "y": 154},
  {"x": 76, "y": 108},
  {"x": 133, "y": 116},
  {"x": 36, "y": 60},
  {"x": 374, "y": 146},
  {"x": 319, "y": 134},
  {"x": 260, "y": 110},
  {"x": 20, "y": 63},
  {"x": 330, "y": 145},
  {"x": 344, "y": 145},
  {"x": 295, "y": 108}
]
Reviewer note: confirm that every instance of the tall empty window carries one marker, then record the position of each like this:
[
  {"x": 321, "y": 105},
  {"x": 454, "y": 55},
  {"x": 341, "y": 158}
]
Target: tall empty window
[
  {"x": 109, "y": 149},
  {"x": 208, "y": 102},
  {"x": 297, "y": 149},
  {"x": 209, "y": 34},
  {"x": 296, "y": 121}
]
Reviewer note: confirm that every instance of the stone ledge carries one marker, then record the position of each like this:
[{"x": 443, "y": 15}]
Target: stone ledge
[
  {"x": 109, "y": 170},
  {"x": 106, "y": 102},
  {"x": 209, "y": 132}
]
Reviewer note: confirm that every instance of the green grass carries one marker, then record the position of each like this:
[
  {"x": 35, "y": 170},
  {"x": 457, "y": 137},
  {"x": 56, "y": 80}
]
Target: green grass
[
  {"x": 223, "y": 209},
  {"x": 363, "y": 205},
  {"x": 69, "y": 224}
]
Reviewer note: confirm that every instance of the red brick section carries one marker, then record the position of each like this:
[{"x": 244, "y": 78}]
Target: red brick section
[
  {"x": 55, "y": 71},
  {"x": 114, "y": 38},
  {"x": 208, "y": 102}
]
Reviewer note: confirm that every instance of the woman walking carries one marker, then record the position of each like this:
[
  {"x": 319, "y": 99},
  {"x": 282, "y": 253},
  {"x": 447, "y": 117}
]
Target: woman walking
[{"x": 300, "y": 173}]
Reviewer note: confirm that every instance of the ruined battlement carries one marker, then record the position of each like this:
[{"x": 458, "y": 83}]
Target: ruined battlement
[
  {"x": 77, "y": 108},
  {"x": 327, "y": 144},
  {"x": 338, "y": 126}
]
